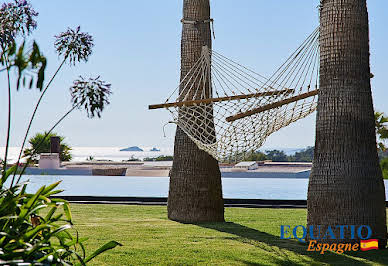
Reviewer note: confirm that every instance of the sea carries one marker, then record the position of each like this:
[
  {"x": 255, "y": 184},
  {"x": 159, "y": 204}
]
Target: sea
[
  {"x": 101, "y": 153},
  {"x": 114, "y": 154}
]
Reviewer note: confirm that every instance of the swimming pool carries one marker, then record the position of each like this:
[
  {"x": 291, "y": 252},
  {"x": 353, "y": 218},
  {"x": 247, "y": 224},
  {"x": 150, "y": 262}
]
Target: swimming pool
[{"x": 126, "y": 186}]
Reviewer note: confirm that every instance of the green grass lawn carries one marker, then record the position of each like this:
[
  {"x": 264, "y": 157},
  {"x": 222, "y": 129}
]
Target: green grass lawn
[{"x": 249, "y": 237}]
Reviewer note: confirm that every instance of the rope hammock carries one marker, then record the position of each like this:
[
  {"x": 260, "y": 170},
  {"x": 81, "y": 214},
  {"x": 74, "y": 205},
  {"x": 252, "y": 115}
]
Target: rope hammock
[{"x": 229, "y": 110}]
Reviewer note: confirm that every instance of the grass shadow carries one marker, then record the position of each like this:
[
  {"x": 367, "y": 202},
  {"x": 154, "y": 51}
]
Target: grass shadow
[{"x": 278, "y": 247}]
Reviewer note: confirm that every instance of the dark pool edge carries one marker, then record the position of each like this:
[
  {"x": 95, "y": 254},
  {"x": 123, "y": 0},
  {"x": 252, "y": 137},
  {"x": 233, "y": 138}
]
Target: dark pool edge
[{"x": 162, "y": 201}]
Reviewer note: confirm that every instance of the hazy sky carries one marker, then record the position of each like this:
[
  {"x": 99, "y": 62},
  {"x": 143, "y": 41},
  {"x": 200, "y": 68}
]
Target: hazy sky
[{"x": 137, "y": 49}]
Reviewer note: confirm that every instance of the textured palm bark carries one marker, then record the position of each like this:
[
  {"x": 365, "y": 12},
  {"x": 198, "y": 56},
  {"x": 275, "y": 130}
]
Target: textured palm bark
[
  {"x": 195, "y": 193},
  {"x": 346, "y": 185}
]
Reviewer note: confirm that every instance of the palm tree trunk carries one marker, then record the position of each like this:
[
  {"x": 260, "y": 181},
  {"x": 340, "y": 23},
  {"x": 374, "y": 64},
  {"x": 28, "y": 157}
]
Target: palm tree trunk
[
  {"x": 195, "y": 193},
  {"x": 346, "y": 185}
]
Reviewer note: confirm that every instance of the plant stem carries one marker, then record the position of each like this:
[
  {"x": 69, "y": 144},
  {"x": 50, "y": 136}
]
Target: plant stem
[
  {"x": 33, "y": 116},
  {"x": 41, "y": 142},
  {"x": 9, "y": 113}
]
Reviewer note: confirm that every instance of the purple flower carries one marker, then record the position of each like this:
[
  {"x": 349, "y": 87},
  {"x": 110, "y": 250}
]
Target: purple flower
[
  {"x": 16, "y": 18},
  {"x": 74, "y": 45},
  {"x": 90, "y": 94}
]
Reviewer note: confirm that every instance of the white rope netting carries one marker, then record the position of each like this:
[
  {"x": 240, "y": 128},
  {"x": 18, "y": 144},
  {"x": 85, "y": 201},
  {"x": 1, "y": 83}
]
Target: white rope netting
[{"x": 229, "y": 110}]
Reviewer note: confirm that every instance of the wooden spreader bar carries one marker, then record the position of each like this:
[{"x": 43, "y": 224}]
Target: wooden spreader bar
[
  {"x": 220, "y": 99},
  {"x": 272, "y": 106}
]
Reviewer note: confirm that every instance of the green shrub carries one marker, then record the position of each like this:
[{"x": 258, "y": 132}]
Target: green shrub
[
  {"x": 160, "y": 158},
  {"x": 40, "y": 143},
  {"x": 381, "y": 122},
  {"x": 276, "y": 156},
  {"x": 132, "y": 159},
  {"x": 305, "y": 155},
  {"x": 37, "y": 228},
  {"x": 256, "y": 156},
  {"x": 384, "y": 167}
]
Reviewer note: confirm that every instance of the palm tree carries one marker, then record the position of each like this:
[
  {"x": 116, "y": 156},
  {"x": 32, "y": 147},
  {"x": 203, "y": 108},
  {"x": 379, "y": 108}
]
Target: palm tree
[
  {"x": 195, "y": 193},
  {"x": 40, "y": 143},
  {"x": 346, "y": 185}
]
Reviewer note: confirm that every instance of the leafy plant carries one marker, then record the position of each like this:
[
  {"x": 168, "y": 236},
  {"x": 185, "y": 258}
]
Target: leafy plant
[
  {"x": 256, "y": 156},
  {"x": 306, "y": 155},
  {"x": 276, "y": 156},
  {"x": 160, "y": 158},
  {"x": 36, "y": 229},
  {"x": 30, "y": 64},
  {"x": 40, "y": 143},
  {"x": 132, "y": 159},
  {"x": 381, "y": 130},
  {"x": 384, "y": 167}
]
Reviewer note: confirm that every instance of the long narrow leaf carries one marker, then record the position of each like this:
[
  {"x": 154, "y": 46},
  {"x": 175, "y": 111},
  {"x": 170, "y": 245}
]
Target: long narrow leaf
[
  {"x": 67, "y": 211},
  {"x": 30, "y": 234},
  {"x": 107, "y": 246},
  {"x": 6, "y": 174},
  {"x": 54, "y": 192},
  {"x": 50, "y": 213},
  {"x": 61, "y": 228},
  {"x": 35, "y": 196},
  {"x": 50, "y": 188}
]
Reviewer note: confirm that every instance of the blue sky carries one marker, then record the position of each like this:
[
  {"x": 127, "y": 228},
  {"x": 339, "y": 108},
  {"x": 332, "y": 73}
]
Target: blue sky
[{"x": 137, "y": 49}]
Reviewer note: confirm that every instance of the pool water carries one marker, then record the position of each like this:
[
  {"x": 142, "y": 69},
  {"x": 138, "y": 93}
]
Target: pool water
[{"x": 237, "y": 188}]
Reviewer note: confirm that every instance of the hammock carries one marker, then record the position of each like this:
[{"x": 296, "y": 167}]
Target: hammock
[{"x": 229, "y": 110}]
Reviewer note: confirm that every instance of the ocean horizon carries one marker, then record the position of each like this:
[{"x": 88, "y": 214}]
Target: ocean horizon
[
  {"x": 114, "y": 154},
  {"x": 101, "y": 153}
]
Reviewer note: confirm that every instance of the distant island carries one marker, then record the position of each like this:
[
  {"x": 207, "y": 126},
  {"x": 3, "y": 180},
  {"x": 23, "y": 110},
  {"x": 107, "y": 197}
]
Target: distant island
[
  {"x": 134, "y": 148},
  {"x": 154, "y": 149}
]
